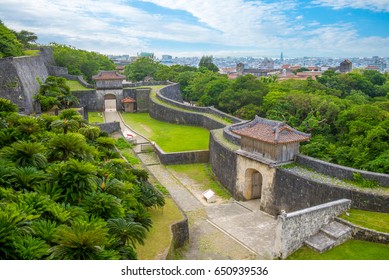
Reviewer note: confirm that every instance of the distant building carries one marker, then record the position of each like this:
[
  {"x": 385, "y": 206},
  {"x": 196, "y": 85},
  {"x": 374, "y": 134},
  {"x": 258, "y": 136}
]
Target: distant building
[
  {"x": 346, "y": 66},
  {"x": 241, "y": 70},
  {"x": 267, "y": 63},
  {"x": 146, "y": 54}
]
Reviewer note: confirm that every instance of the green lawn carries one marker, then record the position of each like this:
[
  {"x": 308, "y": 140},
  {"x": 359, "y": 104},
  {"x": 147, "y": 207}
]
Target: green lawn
[
  {"x": 76, "y": 86},
  {"x": 31, "y": 52},
  {"x": 202, "y": 175},
  {"x": 158, "y": 238},
  {"x": 350, "y": 250},
  {"x": 95, "y": 117},
  {"x": 170, "y": 137},
  {"x": 367, "y": 219}
]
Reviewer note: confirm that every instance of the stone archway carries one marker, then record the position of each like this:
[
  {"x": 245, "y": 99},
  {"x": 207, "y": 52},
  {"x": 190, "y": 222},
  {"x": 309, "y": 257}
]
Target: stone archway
[
  {"x": 110, "y": 102},
  {"x": 253, "y": 184}
]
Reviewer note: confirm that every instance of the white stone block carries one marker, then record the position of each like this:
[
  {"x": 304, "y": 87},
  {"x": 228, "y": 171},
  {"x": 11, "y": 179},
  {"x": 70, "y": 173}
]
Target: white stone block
[{"x": 209, "y": 196}]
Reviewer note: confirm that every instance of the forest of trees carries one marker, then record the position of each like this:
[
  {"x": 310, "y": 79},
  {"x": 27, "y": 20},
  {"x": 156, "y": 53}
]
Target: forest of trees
[{"x": 65, "y": 191}]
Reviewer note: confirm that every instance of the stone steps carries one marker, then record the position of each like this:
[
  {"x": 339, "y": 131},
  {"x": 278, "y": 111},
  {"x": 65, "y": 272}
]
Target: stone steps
[{"x": 329, "y": 236}]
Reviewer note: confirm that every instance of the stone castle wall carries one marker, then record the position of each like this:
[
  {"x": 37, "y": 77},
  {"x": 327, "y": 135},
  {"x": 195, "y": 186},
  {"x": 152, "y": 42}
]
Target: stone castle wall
[
  {"x": 19, "y": 78},
  {"x": 292, "y": 192},
  {"x": 339, "y": 171},
  {"x": 294, "y": 228}
]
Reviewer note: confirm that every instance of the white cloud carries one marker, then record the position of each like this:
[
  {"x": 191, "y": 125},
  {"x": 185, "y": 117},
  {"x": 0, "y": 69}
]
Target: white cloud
[
  {"x": 252, "y": 27},
  {"x": 374, "y": 5}
]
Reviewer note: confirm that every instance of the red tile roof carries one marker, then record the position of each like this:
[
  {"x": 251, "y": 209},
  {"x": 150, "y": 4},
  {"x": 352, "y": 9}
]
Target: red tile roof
[
  {"x": 128, "y": 100},
  {"x": 108, "y": 75},
  {"x": 270, "y": 131}
]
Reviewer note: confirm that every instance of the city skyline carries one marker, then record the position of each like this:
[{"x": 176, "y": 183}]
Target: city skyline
[{"x": 298, "y": 28}]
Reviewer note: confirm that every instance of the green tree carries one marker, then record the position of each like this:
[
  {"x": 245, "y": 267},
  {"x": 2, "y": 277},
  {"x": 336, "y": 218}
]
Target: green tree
[
  {"x": 83, "y": 240},
  {"x": 26, "y": 38},
  {"x": 9, "y": 44},
  {"x": 103, "y": 205},
  {"x": 128, "y": 232},
  {"x": 70, "y": 145},
  {"x": 141, "y": 68},
  {"x": 81, "y": 62},
  {"x": 7, "y": 106},
  {"x": 24, "y": 153},
  {"x": 76, "y": 179},
  {"x": 207, "y": 62},
  {"x": 55, "y": 91}
]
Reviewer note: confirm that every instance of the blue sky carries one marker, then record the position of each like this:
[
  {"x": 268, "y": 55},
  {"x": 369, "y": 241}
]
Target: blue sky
[{"x": 337, "y": 28}]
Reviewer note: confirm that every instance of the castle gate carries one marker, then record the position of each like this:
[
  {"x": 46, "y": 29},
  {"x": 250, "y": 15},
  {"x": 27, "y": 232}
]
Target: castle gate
[
  {"x": 254, "y": 179},
  {"x": 110, "y": 102}
]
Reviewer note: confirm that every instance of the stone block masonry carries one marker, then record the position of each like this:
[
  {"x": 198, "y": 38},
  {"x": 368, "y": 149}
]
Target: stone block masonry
[
  {"x": 341, "y": 172},
  {"x": 293, "y": 192},
  {"x": 294, "y": 228},
  {"x": 19, "y": 78},
  {"x": 188, "y": 157},
  {"x": 366, "y": 234}
]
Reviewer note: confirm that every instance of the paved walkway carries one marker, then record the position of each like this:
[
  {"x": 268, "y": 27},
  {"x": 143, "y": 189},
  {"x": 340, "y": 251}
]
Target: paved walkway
[{"x": 224, "y": 231}]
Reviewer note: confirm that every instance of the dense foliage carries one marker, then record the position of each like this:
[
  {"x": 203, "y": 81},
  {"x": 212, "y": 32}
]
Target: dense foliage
[
  {"x": 141, "y": 68},
  {"x": 80, "y": 62},
  {"x": 55, "y": 91},
  {"x": 67, "y": 193},
  {"x": 9, "y": 43}
]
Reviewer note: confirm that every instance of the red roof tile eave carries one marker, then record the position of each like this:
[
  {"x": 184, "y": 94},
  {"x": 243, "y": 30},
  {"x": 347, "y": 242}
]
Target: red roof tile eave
[{"x": 273, "y": 142}]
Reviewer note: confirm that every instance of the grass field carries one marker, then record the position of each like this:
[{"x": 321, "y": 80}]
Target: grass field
[
  {"x": 202, "y": 175},
  {"x": 170, "y": 137},
  {"x": 31, "y": 52},
  {"x": 76, "y": 86},
  {"x": 367, "y": 219},
  {"x": 95, "y": 117},
  {"x": 158, "y": 238},
  {"x": 350, "y": 250}
]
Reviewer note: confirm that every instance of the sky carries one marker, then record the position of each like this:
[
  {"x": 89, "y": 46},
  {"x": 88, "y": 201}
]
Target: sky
[{"x": 263, "y": 28}]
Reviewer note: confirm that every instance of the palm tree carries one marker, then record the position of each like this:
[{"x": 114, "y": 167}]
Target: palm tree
[
  {"x": 28, "y": 125},
  {"x": 65, "y": 125},
  {"x": 45, "y": 229},
  {"x": 83, "y": 240},
  {"x": 24, "y": 153},
  {"x": 70, "y": 145},
  {"x": 91, "y": 132},
  {"x": 30, "y": 248},
  {"x": 27, "y": 177},
  {"x": 13, "y": 223},
  {"x": 127, "y": 231},
  {"x": 103, "y": 205},
  {"x": 8, "y": 136},
  {"x": 77, "y": 179}
]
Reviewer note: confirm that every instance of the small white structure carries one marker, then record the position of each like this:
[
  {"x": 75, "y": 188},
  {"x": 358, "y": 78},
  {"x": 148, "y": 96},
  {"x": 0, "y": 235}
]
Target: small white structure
[{"x": 209, "y": 196}]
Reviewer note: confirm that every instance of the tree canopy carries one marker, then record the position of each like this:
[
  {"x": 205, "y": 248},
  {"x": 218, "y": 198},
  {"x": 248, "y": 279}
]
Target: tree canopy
[
  {"x": 142, "y": 68},
  {"x": 207, "y": 62},
  {"x": 80, "y": 62},
  {"x": 9, "y": 43}
]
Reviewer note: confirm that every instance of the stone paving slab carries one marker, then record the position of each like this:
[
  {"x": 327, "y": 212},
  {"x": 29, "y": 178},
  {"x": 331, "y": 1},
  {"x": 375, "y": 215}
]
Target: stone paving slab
[
  {"x": 225, "y": 210},
  {"x": 320, "y": 242},
  {"x": 335, "y": 229},
  {"x": 180, "y": 194},
  {"x": 256, "y": 230},
  {"x": 148, "y": 158}
]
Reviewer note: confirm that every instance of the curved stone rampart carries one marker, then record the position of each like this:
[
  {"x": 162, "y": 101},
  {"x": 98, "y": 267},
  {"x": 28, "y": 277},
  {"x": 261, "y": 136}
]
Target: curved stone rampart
[{"x": 341, "y": 172}]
